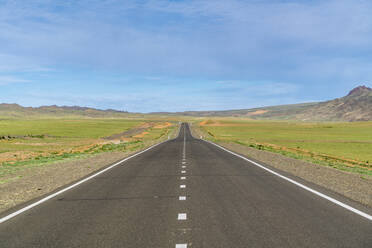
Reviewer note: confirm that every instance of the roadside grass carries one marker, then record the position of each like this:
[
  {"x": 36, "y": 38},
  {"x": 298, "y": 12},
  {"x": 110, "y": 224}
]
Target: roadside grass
[
  {"x": 345, "y": 146},
  {"x": 72, "y": 128},
  {"x": 9, "y": 168},
  {"x": 34, "y": 143}
]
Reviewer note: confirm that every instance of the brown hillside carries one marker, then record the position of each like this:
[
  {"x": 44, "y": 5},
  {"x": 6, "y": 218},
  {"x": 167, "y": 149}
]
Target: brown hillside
[
  {"x": 356, "y": 106},
  {"x": 18, "y": 111}
]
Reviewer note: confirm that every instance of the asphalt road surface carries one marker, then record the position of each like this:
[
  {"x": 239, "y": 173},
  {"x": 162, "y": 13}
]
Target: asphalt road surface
[{"x": 187, "y": 193}]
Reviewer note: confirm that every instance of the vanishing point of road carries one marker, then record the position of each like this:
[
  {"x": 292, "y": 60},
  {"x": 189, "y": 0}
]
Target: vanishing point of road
[{"x": 187, "y": 193}]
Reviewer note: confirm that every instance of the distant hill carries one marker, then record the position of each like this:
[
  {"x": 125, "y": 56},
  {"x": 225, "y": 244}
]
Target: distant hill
[
  {"x": 17, "y": 111},
  {"x": 356, "y": 106}
]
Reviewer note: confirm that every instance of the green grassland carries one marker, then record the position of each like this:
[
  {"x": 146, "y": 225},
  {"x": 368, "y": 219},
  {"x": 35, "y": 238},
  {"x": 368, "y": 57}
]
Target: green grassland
[
  {"x": 28, "y": 143},
  {"x": 78, "y": 128},
  {"x": 56, "y": 135},
  {"x": 347, "y": 146}
]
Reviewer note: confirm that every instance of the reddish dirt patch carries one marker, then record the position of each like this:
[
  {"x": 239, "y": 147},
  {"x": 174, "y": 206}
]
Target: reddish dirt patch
[
  {"x": 203, "y": 123},
  {"x": 258, "y": 112},
  {"x": 127, "y": 135},
  {"x": 16, "y": 156},
  {"x": 164, "y": 125},
  {"x": 211, "y": 123},
  {"x": 141, "y": 135}
]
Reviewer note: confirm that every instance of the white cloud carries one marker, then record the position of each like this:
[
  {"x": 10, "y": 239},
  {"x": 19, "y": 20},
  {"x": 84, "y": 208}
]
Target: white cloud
[
  {"x": 260, "y": 39},
  {"x": 4, "y": 80},
  {"x": 14, "y": 63},
  {"x": 152, "y": 78},
  {"x": 256, "y": 88},
  {"x": 270, "y": 89},
  {"x": 257, "y": 44}
]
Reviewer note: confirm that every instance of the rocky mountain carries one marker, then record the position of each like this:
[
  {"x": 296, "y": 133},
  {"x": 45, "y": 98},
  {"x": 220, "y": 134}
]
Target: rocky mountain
[{"x": 356, "y": 106}]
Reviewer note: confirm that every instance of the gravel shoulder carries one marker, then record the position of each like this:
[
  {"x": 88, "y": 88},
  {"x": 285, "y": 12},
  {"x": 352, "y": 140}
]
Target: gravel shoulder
[
  {"x": 353, "y": 186},
  {"x": 35, "y": 182}
]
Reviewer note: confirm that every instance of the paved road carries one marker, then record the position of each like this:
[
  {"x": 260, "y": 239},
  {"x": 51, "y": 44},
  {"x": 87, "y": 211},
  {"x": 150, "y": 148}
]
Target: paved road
[{"x": 227, "y": 203}]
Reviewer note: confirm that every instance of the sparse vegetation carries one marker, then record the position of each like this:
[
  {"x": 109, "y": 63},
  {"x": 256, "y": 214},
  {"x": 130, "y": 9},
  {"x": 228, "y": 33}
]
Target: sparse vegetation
[
  {"x": 346, "y": 146},
  {"x": 356, "y": 106},
  {"x": 37, "y": 142}
]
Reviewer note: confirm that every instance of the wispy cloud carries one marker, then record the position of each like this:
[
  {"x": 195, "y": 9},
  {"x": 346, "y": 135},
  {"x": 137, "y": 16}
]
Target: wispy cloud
[
  {"x": 256, "y": 48},
  {"x": 271, "y": 89},
  {"x": 195, "y": 38},
  {"x": 4, "y": 80},
  {"x": 241, "y": 88},
  {"x": 13, "y": 63},
  {"x": 152, "y": 78}
]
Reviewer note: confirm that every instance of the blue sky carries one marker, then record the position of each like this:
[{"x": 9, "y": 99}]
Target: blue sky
[{"x": 145, "y": 56}]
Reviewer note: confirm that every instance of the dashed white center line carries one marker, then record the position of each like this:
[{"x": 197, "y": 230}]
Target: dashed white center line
[
  {"x": 184, "y": 144},
  {"x": 181, "y": 245},
  {"x": 182, "y": 216}
]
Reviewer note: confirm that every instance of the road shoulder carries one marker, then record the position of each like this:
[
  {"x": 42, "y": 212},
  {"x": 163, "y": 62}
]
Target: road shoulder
[
  {"x": 32, "y": 183},
  {"x": 353, "y": 186}
]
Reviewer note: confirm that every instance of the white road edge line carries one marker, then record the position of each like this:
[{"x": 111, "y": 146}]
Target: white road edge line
[
  {"x": 341, "y": 204},
  {"x": 74, "y": 185}
]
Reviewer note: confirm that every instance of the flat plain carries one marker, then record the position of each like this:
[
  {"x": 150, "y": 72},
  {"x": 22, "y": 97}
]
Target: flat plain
[
  {"x": 343, "y": 145},
  {"x": 34, "y": 142}
]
